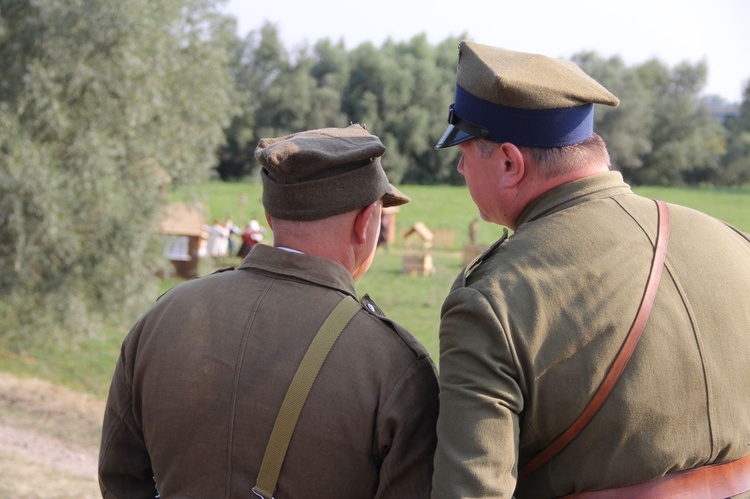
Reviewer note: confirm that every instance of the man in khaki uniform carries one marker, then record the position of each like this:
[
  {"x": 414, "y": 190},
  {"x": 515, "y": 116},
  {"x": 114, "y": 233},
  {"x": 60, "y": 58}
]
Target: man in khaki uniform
[
  {"x": 203, "y": 373},
  {"x": 531, "y": 328}
]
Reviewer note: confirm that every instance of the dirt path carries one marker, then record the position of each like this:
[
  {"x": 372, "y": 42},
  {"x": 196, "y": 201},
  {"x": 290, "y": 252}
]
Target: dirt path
[{"x": 49, "y": 438}]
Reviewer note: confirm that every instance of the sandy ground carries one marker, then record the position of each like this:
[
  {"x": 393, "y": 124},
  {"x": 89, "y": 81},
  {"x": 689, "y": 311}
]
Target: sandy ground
[{"x": 49, "y": 440}]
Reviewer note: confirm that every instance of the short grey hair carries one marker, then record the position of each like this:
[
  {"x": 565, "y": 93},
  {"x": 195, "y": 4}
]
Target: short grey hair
[{"x": 555, "y": 161}]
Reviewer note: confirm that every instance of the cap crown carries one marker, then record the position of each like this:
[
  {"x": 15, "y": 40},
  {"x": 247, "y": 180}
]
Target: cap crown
[
  {"x": 526, "y": 81},
  {"x": 316, "y": 154},
  {"x": 319, "y": 173}
]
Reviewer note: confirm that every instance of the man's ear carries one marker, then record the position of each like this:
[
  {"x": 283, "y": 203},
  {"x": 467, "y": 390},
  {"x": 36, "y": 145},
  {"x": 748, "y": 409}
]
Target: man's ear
[
  {"x": 361, "y": 221},
  {"x": 268, "y": 220},
  {"x": 512, "y": 164}
]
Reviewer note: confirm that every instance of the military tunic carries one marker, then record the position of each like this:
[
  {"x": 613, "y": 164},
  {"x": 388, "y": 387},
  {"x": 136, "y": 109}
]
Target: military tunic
[
  {"x": 528, "y": 333},
  {"x": 203, "y": 373}
]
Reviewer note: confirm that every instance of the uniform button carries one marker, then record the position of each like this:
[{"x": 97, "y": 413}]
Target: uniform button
[{"x": 369, "y": 306}]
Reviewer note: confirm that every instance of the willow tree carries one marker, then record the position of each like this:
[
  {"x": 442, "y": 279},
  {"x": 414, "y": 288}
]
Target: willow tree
[
  {"x": 736, "y": 163},
  {"x": 104, "y": 102},
  {"x": 686, "y": 142}
]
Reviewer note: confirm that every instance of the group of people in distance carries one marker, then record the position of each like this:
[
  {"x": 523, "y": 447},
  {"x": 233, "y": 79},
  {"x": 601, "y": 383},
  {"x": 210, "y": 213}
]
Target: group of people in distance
[
  {"x": 219, "y": 242},
  {"x": 602, "y": 350}
]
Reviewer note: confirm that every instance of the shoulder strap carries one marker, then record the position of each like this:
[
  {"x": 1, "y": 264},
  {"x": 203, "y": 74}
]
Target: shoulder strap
[
  {"x": 623, "y": 356},
  {"x": 297, "y": 393},
  {"x": 746, "y": 237}
]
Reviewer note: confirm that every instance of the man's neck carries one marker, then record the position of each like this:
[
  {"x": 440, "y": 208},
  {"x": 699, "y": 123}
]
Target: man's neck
[{"x": 536, "y": 188}]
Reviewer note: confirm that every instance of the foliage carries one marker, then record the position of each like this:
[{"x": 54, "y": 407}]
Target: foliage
[
  {"x": 395, "y": 91},
  {"x": 105, "y": 102},
  {"x": 737, "y": 160},
  {"x": 626, "y": 129},
  {"x": 662, "y": 132}
]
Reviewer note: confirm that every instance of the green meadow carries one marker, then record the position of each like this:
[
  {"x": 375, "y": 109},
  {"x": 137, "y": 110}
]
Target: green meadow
[
  {"x": 446, "y": 207},
  {"x": 413, "y": 301}
]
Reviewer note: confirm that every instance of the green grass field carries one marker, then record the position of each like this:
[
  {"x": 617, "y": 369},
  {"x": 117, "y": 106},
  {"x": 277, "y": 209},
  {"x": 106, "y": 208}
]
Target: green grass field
[
  {"x": 446, "y": 207},
  {"x": 86, "y": 364}
]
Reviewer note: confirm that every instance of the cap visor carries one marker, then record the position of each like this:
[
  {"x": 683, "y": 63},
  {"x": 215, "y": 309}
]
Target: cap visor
[
  {"x": 394, "y": 197},
  {"x": 452, "y": 136}
]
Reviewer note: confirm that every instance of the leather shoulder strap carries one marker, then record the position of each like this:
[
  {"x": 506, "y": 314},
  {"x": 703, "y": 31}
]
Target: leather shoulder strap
[
  {"x": 297, "y": 394},
  {"x": 623, "y": 356},
  {"x": 746, "y": 237}
]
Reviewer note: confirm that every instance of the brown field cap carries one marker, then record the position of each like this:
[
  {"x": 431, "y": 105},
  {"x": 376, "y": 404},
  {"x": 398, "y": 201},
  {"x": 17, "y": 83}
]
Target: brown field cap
[{"x": 319, "y": 173}]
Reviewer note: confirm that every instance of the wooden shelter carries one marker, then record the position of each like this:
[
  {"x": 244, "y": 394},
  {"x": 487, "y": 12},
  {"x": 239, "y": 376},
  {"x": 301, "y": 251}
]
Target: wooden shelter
[
  {"x": 472, "y": 249},
  {"x": 182, "y": 224},
  {"x": 419, "y": 262},
  {"x": 388, "y": 224}
]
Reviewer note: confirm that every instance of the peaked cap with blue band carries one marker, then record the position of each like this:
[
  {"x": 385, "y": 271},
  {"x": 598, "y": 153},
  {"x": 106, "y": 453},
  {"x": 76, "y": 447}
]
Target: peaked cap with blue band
[{"x": 527, "y": 99}]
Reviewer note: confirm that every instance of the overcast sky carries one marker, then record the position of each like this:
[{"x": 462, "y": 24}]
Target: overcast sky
[{"x": 673, "y": 31}]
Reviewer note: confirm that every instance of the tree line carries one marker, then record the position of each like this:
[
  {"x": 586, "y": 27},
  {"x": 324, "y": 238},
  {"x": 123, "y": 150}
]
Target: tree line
[
  {"x": 104, "y": 103},
  {"x": 663, "y": 132}
]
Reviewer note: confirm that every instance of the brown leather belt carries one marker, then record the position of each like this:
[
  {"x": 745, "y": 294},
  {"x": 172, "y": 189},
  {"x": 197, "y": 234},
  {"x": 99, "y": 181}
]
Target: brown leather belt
[{"x": 707, "y": 482}]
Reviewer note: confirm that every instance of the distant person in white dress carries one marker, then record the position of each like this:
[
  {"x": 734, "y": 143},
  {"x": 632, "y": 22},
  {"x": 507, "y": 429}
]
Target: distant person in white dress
[{"x": 218, "y": 240}]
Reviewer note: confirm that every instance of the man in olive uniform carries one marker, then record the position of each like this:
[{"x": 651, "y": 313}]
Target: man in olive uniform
[
  {"x": 530, "y": 329},
  {"x": 203, "y": 373}
]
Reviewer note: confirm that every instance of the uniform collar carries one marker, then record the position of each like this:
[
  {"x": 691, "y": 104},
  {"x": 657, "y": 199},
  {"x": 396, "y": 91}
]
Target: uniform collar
[
  {"x": 573, "y": 193},
  {"x": 315, "y": 269}
]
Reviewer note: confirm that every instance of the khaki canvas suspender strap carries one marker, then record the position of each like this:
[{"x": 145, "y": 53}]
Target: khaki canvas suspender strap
[
  {"x": 623, "y": 356},
  {"x": 297, "y": 393}
]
